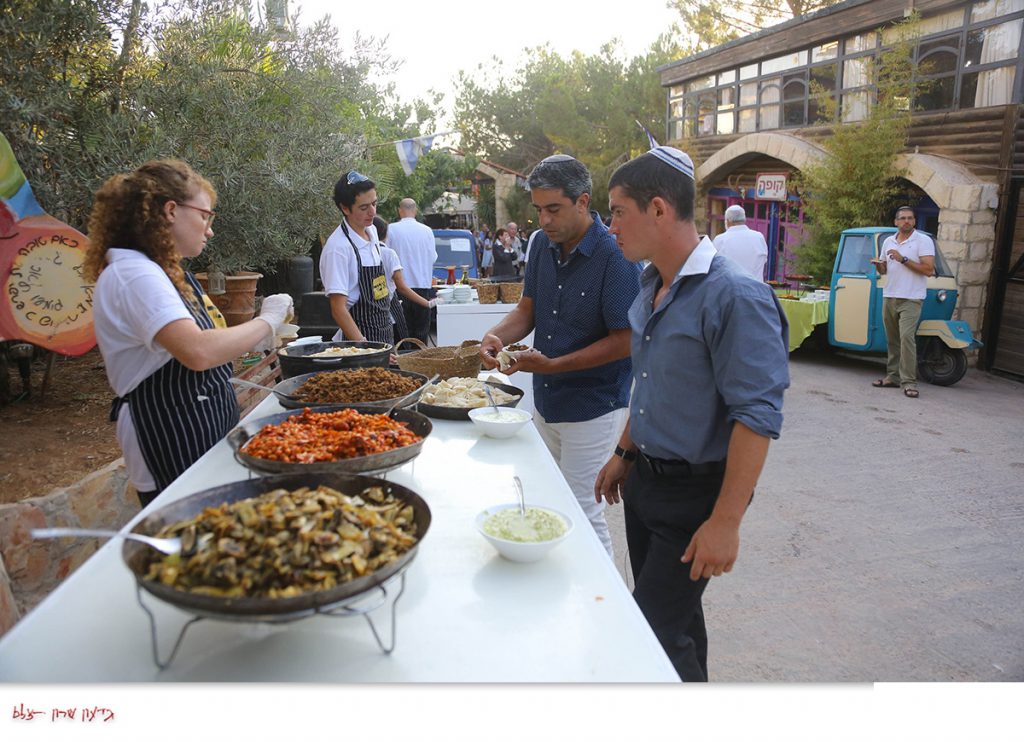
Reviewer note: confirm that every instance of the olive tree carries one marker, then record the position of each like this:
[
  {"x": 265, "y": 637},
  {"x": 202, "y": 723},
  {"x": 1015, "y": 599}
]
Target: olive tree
[{"x": 94, "y": 87}]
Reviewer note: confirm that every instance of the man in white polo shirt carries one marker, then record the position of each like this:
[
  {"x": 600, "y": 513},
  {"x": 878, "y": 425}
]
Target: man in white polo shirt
[
  {"x": 414, "y": 243},
  {"x": 908, "y": 259},
  {"x": 741, "y": 244}
]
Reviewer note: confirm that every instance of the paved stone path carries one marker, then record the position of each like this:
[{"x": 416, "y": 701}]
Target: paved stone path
[{"x": 886, "y": 540}]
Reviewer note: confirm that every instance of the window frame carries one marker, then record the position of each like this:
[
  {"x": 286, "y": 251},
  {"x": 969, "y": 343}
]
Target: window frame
[{"x": 680, "y": 92}]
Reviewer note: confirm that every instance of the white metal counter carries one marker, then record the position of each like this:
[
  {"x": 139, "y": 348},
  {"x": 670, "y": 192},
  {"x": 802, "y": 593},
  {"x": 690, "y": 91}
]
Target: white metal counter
[{"x": 467, "y": 615}]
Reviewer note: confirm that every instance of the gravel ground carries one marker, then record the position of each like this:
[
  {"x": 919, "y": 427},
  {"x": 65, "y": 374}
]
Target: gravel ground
[{"x": 884, "y": 542}]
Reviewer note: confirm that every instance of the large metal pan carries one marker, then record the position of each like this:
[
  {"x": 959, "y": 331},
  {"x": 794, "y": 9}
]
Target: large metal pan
[
  {"x": 440, "y": 412},
  {"x": 291, "y": 386},
  {"x": 374, "y": 463},
  {"x": 296, "y": 359},
  {"x": 137, "y": 555}
]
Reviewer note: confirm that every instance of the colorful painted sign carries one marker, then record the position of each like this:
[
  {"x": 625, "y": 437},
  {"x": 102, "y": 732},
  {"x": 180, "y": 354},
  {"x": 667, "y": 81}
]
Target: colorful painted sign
[
  {"x": 771, "y": 187},
  {"x": 46, "y": 299}
]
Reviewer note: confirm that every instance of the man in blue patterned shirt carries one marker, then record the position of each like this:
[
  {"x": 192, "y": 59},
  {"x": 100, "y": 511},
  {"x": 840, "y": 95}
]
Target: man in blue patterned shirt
[
  {"x": 578, "y": 289},
  {"x": 710, "y": 361}
]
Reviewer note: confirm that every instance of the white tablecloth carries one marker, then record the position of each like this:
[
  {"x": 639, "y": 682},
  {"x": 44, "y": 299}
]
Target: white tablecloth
[{"x": 467, "y": 615}]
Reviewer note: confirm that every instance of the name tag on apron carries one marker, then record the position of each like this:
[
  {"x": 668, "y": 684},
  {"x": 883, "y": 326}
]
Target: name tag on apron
[{"x": 380, "y": 287}]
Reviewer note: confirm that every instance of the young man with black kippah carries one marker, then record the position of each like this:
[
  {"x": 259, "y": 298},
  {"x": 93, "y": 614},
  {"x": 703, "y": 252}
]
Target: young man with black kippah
[{"x": 710, "y": 363}]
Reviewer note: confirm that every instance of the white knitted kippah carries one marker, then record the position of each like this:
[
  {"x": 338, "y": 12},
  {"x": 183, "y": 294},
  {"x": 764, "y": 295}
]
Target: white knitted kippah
[{"x": 675, "y": 158}]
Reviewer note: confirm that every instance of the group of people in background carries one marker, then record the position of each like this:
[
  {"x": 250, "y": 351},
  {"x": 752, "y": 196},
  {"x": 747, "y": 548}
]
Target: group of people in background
[{"x": 503, "y": 253}]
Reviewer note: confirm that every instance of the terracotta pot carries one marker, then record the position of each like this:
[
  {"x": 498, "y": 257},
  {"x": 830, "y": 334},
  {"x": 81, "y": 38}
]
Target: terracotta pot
[{"x": 238, "y": 303}]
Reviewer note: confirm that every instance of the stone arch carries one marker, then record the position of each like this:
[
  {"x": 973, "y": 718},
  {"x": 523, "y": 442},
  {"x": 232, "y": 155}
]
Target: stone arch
[
  {"x": 947, "y": 182},
  {"x": 790, "y": 149}
]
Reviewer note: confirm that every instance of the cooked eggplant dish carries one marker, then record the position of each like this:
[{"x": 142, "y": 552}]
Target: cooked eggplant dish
[{"x": 283, "y": 543}]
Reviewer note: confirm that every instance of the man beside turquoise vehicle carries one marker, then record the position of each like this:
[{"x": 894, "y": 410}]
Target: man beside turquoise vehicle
[
  {"x": 856, "y": 309},
  {"x": 908, "y": 261}
]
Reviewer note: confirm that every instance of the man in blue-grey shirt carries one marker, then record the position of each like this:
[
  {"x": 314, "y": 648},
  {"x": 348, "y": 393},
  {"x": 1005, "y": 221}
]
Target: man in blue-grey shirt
[
  {"x": 710, "y": 362},
  {"x": 576, "y": 298}
]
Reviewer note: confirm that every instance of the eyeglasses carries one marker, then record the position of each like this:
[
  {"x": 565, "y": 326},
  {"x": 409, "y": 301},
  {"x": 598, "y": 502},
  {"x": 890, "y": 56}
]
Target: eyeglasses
[
  {"x": 355, "y": 177},
  {"x": 209, "y": 215}
]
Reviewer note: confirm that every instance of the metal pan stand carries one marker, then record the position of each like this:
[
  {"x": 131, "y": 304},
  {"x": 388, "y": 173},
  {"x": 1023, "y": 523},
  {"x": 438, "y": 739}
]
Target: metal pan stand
[{"x": 341, "y": 609}]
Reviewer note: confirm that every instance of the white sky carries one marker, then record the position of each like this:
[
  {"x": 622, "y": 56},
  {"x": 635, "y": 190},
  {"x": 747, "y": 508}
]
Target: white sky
[{"x": 436, "y": 41}]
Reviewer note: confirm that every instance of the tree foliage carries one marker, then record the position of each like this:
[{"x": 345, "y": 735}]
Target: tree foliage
[
  {"x": 583, "y": 105},
  {"x": 855, "y": 184},
  {"x": 95, "y": 87},
  {"x": 713, "y": 22}
]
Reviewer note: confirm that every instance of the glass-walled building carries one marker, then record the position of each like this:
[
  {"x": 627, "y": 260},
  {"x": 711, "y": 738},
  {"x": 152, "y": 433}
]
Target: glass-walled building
[{"x": 760, "y": 104}]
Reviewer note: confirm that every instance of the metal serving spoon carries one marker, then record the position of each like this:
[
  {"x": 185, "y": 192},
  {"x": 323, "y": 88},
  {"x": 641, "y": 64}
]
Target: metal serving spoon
[
  {"x": 280, "y": 395},
  {"x": 165, "y": 545},
  {"x": 490, "y": 397},
  {"x": 519, "y": 493}
]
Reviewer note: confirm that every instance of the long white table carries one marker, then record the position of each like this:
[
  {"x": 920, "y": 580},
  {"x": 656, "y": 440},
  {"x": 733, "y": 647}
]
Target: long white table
[{"x": 466, "y": 615}]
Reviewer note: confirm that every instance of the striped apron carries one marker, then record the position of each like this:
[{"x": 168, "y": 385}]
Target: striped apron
[
  {"x": 179, "y": 414},
  {"x": 372, "y": 313}
]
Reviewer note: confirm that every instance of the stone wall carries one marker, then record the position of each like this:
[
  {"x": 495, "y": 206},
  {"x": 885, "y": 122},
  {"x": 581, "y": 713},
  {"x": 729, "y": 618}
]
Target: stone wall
[{"x": 30, "y": 570}]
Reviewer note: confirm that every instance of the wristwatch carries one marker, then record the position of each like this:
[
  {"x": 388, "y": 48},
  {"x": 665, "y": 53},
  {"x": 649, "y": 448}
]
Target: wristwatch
[
  {"x": 904, "y": 259},
  {"x": 624, "y": 454}
]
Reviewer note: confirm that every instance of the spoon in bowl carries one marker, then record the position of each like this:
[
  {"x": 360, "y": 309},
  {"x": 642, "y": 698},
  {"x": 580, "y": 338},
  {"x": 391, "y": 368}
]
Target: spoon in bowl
[
  {"x": 519, "y": 493},
  {"x": 164, "y": 545},
  {"x": 487, "y": 390}
]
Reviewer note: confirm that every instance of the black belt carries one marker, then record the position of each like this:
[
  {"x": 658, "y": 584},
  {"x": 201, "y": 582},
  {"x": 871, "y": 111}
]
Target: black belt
[{"x": 679, "y": 468}]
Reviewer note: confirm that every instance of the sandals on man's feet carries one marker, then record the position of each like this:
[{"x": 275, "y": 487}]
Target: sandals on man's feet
[
  {"x": 884, "y": 384},
  {"x": 911, "y": 392}
]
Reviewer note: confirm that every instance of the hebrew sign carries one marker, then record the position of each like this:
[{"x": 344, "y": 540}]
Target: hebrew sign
[{"x": 46, "y": 300}]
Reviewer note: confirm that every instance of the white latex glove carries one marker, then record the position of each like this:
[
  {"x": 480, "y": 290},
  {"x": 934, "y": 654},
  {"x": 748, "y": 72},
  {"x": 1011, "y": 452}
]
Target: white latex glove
[
  {"x": 434, "y": 302},
  {"x": 275, "y": 310}
]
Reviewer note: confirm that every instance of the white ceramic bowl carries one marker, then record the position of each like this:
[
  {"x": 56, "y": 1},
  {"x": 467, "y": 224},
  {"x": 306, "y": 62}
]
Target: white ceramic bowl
[
  {"x": 512, "y": 424},
  {"x": 446, "y": 294},
  {"x": 521, "y": 551}
]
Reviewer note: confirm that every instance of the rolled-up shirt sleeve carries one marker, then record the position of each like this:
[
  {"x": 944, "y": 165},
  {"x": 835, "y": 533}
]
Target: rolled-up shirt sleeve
[{"x": 750, "y": 355}]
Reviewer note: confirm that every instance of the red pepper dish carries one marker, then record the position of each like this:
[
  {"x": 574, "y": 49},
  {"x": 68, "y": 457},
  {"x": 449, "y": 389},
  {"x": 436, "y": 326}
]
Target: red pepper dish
[{"x": 329, "y": 436}]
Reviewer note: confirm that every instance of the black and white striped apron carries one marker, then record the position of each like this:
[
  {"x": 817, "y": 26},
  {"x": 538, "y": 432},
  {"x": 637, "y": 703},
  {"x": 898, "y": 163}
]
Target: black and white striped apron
[
  {"x": 179, "y": 414},
  {"x": 372, "y": 313}
]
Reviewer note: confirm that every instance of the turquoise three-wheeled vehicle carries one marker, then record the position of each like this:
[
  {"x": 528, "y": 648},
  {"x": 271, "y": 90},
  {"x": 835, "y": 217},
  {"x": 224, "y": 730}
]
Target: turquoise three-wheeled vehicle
[{"x": 855, "y": 309}]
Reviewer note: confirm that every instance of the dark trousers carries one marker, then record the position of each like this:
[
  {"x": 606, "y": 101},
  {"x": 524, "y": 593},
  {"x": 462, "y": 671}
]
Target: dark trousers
[
  {"x": 662, "y": 514},
  {"x": 417, "y": 318}
]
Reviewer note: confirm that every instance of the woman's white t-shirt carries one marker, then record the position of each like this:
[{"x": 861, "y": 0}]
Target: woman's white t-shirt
[{"x": 133, "y": 300}]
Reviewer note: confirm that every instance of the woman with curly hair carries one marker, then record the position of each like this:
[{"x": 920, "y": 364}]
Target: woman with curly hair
[{"x": 164, "y": 359}]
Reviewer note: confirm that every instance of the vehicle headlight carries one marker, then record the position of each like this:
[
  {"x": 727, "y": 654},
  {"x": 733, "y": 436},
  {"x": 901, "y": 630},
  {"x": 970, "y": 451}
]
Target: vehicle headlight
[{"x": 941, "y": 295}]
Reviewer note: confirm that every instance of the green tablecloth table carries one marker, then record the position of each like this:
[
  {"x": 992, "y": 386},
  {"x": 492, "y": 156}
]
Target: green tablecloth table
[{"x": 803, "y": 316}]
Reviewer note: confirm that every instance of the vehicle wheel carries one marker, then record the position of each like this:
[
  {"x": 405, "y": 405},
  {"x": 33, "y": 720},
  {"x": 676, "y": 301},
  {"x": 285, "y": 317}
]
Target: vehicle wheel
[{"x": 941, "y": 365}]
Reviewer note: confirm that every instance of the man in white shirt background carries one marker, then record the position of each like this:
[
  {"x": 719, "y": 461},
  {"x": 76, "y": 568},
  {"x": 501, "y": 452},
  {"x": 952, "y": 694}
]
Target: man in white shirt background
[
  {"x": 414, "y": 244},
  {"x": 517, "y": 244},
  {"x": 907, "y": 260},
  {"x": 741, "y": 244}
]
